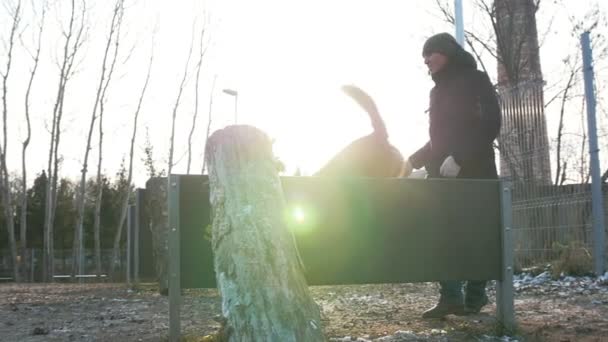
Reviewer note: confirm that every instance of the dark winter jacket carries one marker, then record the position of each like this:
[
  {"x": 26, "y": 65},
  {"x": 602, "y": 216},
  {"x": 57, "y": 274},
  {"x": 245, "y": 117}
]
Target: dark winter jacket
[{"x": 464, "y": 121}]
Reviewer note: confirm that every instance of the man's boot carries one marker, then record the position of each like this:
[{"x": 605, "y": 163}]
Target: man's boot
[
  {"x": 475, "y": 297},
  {"x": 450, "y": 301},
  {"x": 444, "y": 308}
]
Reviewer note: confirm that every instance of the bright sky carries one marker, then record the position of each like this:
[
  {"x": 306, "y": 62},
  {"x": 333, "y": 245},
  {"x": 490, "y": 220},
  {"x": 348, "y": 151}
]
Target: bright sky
[{"x": 287, "y": 60}]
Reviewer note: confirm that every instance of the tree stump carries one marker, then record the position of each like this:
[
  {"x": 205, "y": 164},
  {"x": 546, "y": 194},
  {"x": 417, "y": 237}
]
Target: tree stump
[{"x": 259, "y": 275}]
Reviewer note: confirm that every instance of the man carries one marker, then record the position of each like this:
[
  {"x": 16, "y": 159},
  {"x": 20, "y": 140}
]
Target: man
[{"x": 464, "y": 121}]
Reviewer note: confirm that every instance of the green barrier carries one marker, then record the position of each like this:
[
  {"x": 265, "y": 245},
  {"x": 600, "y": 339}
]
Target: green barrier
[{"x": 360, "y": 231}]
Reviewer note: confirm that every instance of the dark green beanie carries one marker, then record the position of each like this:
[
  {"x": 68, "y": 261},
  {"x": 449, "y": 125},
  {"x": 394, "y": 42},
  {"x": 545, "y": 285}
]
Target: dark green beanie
[{"x": 443, "y": 43}]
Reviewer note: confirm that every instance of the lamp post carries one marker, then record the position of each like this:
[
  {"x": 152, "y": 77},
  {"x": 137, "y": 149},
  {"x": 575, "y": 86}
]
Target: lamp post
[
  {"x": 459, "y": 22},
  {"x": 234, "y": 93}
]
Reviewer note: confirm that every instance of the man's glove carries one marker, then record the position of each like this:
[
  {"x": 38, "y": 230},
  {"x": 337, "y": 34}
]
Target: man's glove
[
  {"x": 449, "y": 168},
  {"x": 407, "y": 168}
]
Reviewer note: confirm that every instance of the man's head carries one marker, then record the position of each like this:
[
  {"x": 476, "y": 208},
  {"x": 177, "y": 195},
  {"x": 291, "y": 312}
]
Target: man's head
[{"x": 438, "y": 50}]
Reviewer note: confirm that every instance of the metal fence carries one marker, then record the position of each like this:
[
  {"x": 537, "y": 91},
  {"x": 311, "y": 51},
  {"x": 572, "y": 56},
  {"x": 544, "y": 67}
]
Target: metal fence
[
  {"x": 31, "y": 264},
  {"x": 551, "y": 221}
]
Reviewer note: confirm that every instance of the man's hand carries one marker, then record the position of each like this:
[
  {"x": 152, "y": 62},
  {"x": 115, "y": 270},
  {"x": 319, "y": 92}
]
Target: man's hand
[
  {"x": 407, "y": 169},
  {"x": 449, "y": 168}
]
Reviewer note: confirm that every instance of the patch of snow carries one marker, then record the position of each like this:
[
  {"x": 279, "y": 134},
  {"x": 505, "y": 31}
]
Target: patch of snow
[
  {"x": 435, "y": 335},
  {"x": 563, "y": 285},
  {"x": 486, "y": 338}
]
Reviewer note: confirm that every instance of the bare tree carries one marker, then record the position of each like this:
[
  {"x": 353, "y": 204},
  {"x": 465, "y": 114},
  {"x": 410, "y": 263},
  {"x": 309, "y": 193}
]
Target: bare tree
[
  {"x": 35, "y": 58},
  {"x": 568, "y": 90},
  {"x": 508, "y": 39},
  {"x": 4, "y": 176},
  {"x": 125, "y": 200},
  {"x": 202, "y": 49},
  {"x": 177, "y": 103},
  {"x": 519, "y": 70},
  {"x": 565, "y": 96},
  {"x": 148, "y": 159},
  {"x": 595, "y": 18},
  {"x": 98, "y": 201},
  {"x": 107, "y": 68},
  {"x": 74, "y": 37},
  {"x": 208, "y": 123}
]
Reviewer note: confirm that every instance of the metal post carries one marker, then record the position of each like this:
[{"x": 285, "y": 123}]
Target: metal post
[
  {"x": 129, "y": 230},
  {"x": 459, "y": 22},
  {"x": 596, "y": 186},
  {"x": 236, "y": 100},
  {"x": 504, "y": 287},
  {"x": 33, "y": 264},
  {"x": 139, "y": 202},
  {"x": 80, "y": 253},
  {"x": 174, "y": 259}
]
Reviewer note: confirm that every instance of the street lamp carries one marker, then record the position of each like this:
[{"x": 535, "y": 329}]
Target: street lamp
[
  {"x": 234, "y": 93},
  {"x": 458, "y": 21}
]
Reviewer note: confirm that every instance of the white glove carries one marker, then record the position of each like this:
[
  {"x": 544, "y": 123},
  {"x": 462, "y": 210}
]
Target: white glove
[
  {"x": 407, "y": 169},
  {"x": 449, "y": 168}
]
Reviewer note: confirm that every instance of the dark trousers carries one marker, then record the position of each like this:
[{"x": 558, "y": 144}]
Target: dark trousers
[{"x": 474, "y": 292}]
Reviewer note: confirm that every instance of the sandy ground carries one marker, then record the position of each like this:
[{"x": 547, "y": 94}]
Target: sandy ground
[{"x": 113, "y": 312}]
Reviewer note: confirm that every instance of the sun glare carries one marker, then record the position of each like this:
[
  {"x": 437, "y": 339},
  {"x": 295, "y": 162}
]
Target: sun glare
[
  {"x": 289, "y": 79},
  {"x": 298, "y": 215}
]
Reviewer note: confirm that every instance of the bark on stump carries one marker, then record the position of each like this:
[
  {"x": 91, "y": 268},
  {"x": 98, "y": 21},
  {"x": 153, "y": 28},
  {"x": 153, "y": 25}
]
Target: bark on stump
[{"x": 259, "y": 275}]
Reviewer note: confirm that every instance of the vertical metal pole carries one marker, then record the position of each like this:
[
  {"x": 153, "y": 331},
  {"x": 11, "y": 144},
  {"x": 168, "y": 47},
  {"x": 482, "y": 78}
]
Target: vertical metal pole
[
  {"x": 33, "y": 262},
  {"x": 138, "y": 211},
  {"x": 174, "y": 259},
  {"x": 129, "y": 230},
  {"x": 504, "y": 287},
  {"x": 80, "y": 253},
  {"x": 596, "y": 186},
  {"x": 459, "y": 22},
  {"x": 236, "y": 100}
]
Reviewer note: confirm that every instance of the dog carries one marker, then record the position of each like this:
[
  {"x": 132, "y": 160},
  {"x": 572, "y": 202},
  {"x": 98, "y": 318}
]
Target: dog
[{"x": 369, "y": 156}]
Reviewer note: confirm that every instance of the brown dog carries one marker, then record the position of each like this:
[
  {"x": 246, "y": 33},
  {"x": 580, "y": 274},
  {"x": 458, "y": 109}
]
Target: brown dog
[{"x": 369, "y": 156}]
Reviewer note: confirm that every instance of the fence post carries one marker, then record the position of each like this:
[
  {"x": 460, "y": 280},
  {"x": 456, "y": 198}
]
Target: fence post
[
  {"x": 596, "y": 186},
  {"x": 174, "y": 259},
  {"x": 31, "y": 278},
  {"x": 138, "y": 207},
  {"x": 129, "y": 232},
  {"x": 504, "y": 287}
]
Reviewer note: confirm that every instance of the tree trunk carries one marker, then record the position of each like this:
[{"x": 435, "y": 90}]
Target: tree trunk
[
  {"x": 264, "y": 294},
  {"x": 5, "y": 188},
  {"x": 7, "y": 205},
  {"x": 115, "y": 30},
  {"x": 202, "y": 50},
  {"x": 517, "y": 42},
  {"x": 74, "y": 37},
  {"x": 519, "y": 71},
  {"x": 125, "y": 200},
  {"x": 104, "y": 79},
  {"x": 26, "y": 142},
  {"x": 176, "y": 106},
  {"x": 98, "y": 200}
]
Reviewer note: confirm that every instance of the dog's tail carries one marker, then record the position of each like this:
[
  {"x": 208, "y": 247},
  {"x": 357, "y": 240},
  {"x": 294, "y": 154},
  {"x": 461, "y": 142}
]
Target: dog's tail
[{"x": 368, "y": 104}]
